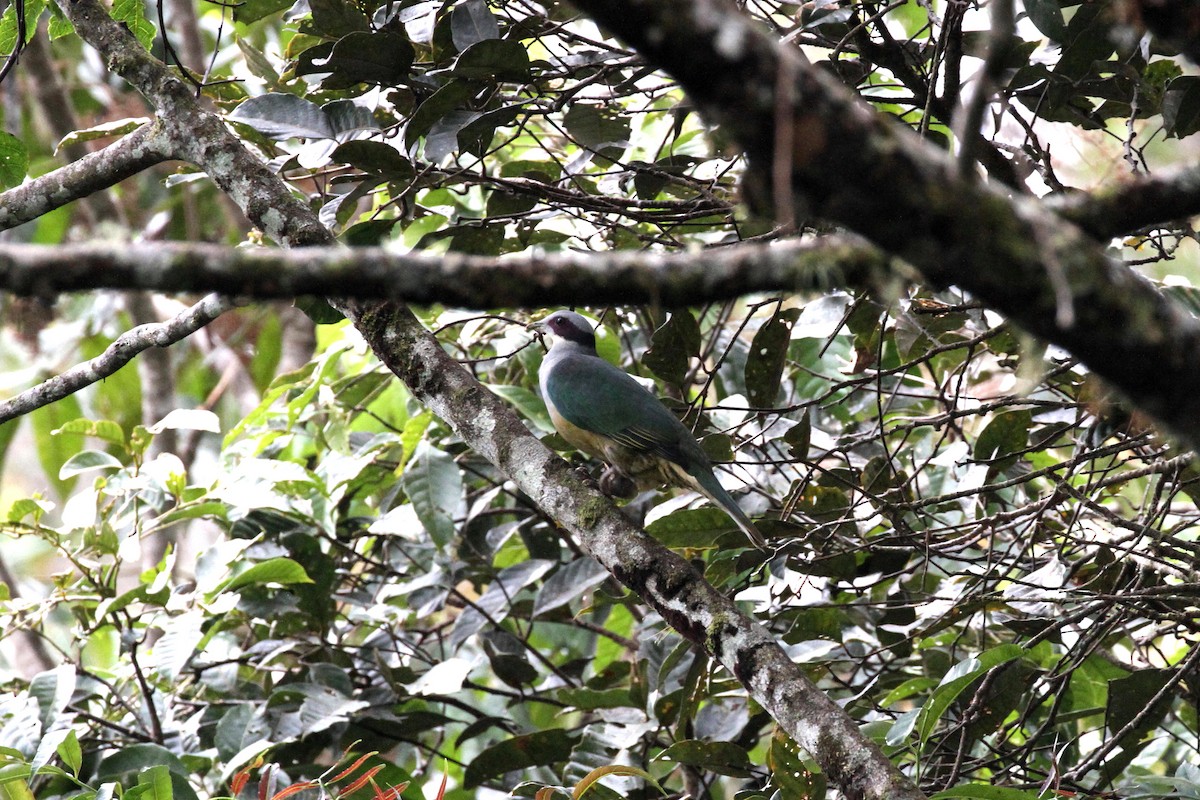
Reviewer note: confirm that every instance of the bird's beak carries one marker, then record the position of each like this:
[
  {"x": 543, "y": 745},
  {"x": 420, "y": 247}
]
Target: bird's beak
[{"x": 538, "y": 329}]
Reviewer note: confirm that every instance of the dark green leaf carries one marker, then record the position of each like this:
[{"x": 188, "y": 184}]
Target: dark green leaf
[
  {"x": 798, "y": 437},
  {"x": 493, "y": 59},
  {"x": 14, "y": 160},
  {"x": 520, "y": 752},
  {"x": 319, "y": 311},
  {"x": 1181, "y": 106},
  {"x": 249, "y": 11},
  {"x": 138, "y": 758},
  {"x": 569, "y": 582},
  {"x": 595, "y": 126},
  {"x": 1047, "y": 17},
  {"x": 724, "y": 758},
  {"x": 283, "y": 116},
  {"x": 380, "y": 57},
  {"x": 434, "y": 484},
  {"x": 1007, "y": 433},
  {"x": 376, "y": 158},
  {"x": 767, "y": 357},
  {"x": 337, "y": 18},
  {"x": 692, "y": 527},
  {"x": 472, "y": 22},
  {"x": 672, "y": 347}
]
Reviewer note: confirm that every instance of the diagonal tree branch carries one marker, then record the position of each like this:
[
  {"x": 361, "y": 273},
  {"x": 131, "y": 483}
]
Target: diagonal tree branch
[
  {"x": 531, "y": 281},
  {"x": 857, "y": 168},
  {"x": 663, "y": 578},
  {"x": 117, "y": 355}
]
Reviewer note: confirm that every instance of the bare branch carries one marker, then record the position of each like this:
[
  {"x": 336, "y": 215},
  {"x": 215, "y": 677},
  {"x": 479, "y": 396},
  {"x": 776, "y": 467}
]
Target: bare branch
[
  {"x": 118, "y": 354},
  {"x": 530, "y": 281}
]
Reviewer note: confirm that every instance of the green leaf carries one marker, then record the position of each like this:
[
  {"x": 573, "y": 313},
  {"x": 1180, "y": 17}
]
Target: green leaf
[
  {"x": 52, "y": 690},
  {"x": 767, "y": 357},
  {"x": 336, "y": 18},
  {"x": 105, "y": 130},
  {"x": 284, "y": 116},
  {"x": 155, "y": 783},
  {"x": 380, "y": 58},
  {"x": 434, "y": 484},
  {"x": 1007, "y": 433},
  {"x": 248, "y": 11},
  {"x": 133, "y": 14},
  {"x": 595, "y": 126},
  {"x": 71, "y": 753},
  {"x": 31, "y": 11},
  {"x": 103, "y": 429},
  {"x": 1047, "y": 17},
  {"x": 54, "y": 451},
  {"x": 957, "y": 680},
  {"x": 86, "y": 461},
  {"x": 592, "y": 699},
  {"x": 274, "y": 570},
  {"x": 795, "y": 778},
  {"x": 799, "y": 436},
  {"x": 14, "y": 159},
  {"x": 569, "y": 582},
  {"x": 673, "y": 346},
  {"x": 14, "y": 784},
  {"x": 528, "y": 403},
  {"x": 376, "y": 158},
  {"x": 539, "y": 749},
  {"x": 724, "y": 758},
  {"x": 139, "y": 758},
  {"x": 692, "y": 527},
  {"x": 1181, "y": 106},
  {"x": 472, "y": 22},
  {"x": 494, "y": 59}
]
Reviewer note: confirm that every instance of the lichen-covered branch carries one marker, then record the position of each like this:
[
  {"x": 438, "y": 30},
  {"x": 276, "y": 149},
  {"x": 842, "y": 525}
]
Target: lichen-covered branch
[
  {"x": 529, "y": 280},
  {"x": 663, "y": 579},
  {"x": 92, "y": 173},
  {"x": 863, "y": 170},
  {"x": 117, "y": 355}
]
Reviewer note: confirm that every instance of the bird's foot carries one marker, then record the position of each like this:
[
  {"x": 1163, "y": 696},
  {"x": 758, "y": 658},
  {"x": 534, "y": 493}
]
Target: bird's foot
[{"x": 615, "y": 483}]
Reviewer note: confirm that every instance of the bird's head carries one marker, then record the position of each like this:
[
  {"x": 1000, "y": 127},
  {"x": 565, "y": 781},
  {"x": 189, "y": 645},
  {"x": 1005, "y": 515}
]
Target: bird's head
[{"x": 567, "y": 326}]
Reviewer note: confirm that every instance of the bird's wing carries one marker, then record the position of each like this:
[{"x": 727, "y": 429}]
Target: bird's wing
[{"x": 592, "y": 394}]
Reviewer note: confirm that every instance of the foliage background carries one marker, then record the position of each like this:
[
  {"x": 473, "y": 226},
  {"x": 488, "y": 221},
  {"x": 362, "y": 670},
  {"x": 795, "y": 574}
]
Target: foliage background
[{"x": 256, "y": 552}]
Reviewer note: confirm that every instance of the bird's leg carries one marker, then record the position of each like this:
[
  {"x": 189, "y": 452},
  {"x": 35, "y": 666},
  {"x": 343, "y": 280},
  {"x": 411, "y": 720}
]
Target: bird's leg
[{"x": 615, "y": 483}]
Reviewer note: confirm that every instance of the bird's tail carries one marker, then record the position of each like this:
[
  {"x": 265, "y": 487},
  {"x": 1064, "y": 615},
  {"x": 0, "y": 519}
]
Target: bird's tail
[{"x": 708, "y": 485}]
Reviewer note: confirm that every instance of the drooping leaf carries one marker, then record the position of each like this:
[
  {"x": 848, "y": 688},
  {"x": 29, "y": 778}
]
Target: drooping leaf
[
  {"x": 673, "y": 346},
  {"x": 434, "y": 484},
  {"x": 767, "y": 357}
]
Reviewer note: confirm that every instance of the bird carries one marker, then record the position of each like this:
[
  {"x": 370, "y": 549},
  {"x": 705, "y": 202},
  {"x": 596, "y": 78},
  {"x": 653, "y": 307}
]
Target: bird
[{"x": 603, "y": 411}]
